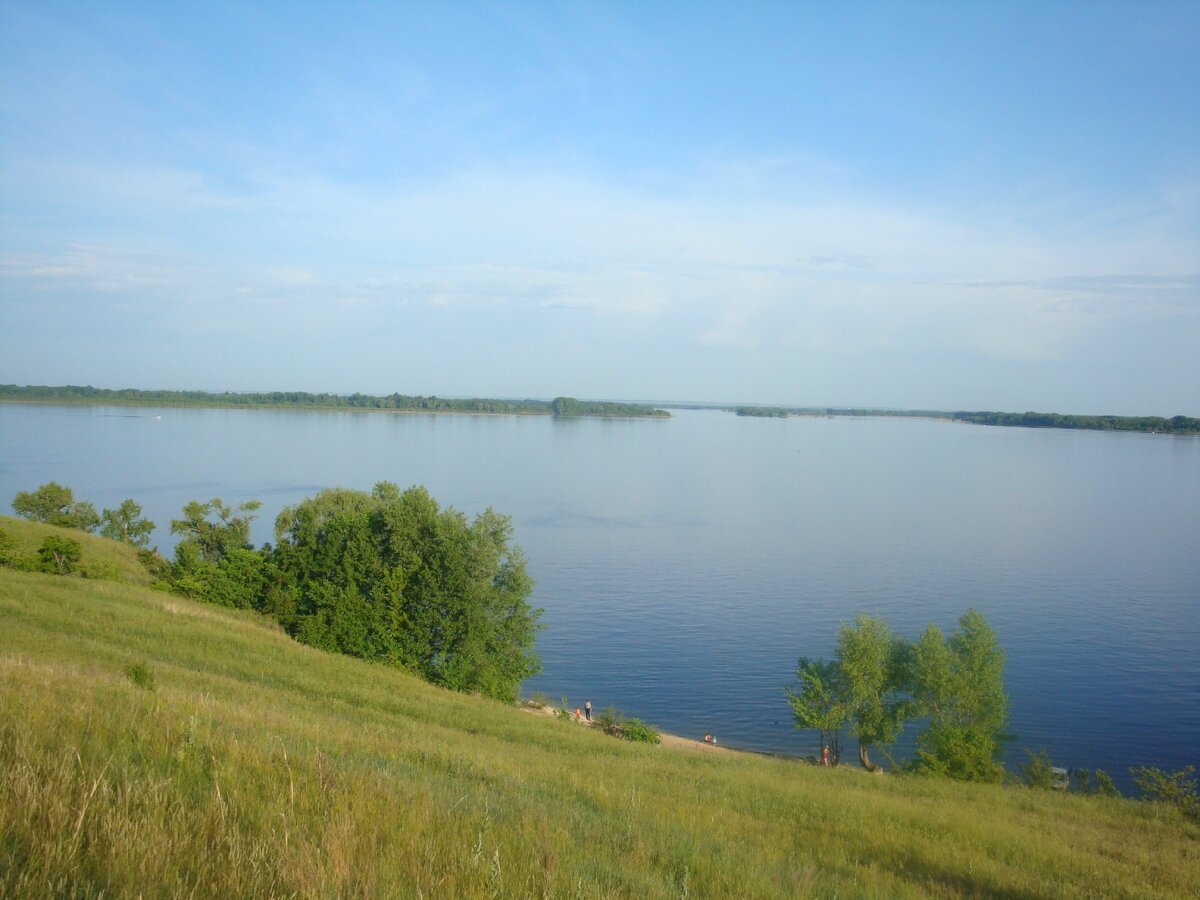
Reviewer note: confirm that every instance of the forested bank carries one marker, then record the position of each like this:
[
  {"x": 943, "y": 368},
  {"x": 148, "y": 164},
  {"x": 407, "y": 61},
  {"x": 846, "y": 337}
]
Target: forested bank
[
  {"x": 1150, "y": 424},
  {"x": 560, "y": 406}
]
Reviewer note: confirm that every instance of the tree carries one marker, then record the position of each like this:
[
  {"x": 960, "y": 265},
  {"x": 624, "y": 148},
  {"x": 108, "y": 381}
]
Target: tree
[
  {"x": 959, "y": 686},
  {"x": 873, "y": 666},
  {"x": 206, "y": 540},
  {"x": 54, "y": 504},
  {"x": 59, "y": 555},
  {"x": 391, "y": 576},
  {"x": 126, "y": 524},
  {"x": 819, "y": 702},
  {"x": 1177, "y": 789}
]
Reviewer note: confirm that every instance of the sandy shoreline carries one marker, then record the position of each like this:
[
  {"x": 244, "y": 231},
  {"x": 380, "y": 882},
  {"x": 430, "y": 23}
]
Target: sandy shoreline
[{"x": 666, "y": 740}]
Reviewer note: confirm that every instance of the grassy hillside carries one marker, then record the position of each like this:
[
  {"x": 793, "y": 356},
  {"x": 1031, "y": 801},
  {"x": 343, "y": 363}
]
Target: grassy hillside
[
  {"x": 119, "y": 559},
  {"x": 254, "y": 766}
]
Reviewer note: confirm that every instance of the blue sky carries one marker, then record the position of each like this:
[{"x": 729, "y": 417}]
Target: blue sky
[{"x": 943, "y": 205}]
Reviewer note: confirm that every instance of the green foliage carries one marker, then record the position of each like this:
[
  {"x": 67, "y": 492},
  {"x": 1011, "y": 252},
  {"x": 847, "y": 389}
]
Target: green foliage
[
  {"x": 140, "y": 676},
  {"x": 569, "y": 407},
  {"x": 1039, "y": 771},
  {"x": 53, "y": 504},
  {"x": 390, "y": 576},
  {"x": 127, "y": 524},
  {"x": 59, "y": 555},
  {"x": 100, "y": 570},
  {"x": 8, "y": 548},
  {"x": 873, "y": 667},
  {"x": 238, "y": 579},
  {"x": 1175, "y": 789},
  {"x": 615, "y": 724},
  {"x": 771, "y": 412},
  {"x": 1105, "y": 785},
  {"x": 210, "y": 530},
  {"x": 959, "y": 686},
  {"x": 1174, "y": 425},
  {"x": 820, "y": 702},
  {"x": 303, "y": 400},
  {"x": 609, "y": 720},
  {"x": 640, "y": 732}
]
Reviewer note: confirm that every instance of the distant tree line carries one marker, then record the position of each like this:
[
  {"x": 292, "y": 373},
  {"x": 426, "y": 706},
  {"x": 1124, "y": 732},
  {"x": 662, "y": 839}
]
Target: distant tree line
[
  {"x": 773, "y": 412},
  {"x": 568, "y": 407},
  {"x": 562, "y": 406},
  {"x": 1174, "y": 425},
  {"x": 1157, "y": 424}
]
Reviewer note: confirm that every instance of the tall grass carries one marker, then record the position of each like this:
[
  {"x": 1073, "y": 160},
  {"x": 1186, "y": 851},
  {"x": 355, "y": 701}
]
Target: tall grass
[{"x": 260, "y": 767}]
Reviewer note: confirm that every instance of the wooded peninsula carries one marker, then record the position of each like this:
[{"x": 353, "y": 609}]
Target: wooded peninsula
[
  {"x": 1154, "y": 424},
  {"x": 561, "y": 407}
]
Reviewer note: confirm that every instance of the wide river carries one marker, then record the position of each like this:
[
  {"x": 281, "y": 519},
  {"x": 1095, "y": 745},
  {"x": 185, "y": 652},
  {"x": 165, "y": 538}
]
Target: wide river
[{"x": 685, "y": 564}]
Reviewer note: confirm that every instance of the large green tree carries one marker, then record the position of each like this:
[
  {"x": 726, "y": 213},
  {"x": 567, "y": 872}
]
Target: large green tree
[
  {"x": 391, "y": 576},
  {"x": 54, "y": 504},
  {"x": 126, "y": 523},
  {"x": 818, "y": 702},
  {"x": 210, "y": 530},
  {"x": 959, "y": 686},
  {"x": 873, "y": 666}
]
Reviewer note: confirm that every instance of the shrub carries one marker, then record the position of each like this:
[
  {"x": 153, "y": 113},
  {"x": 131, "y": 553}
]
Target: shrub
[
  {"x": 1104, "y": 784},
  {"x": 1039, "y": 771},
  {"x": 140, "y": 676},
  {"x": 59, "y": 555},
  {"x": 1177, "y": 789},
  {"x": 639, "y": 731},
  {"x": 100, "y": 570},
  {"x": 609, "y": 721}
]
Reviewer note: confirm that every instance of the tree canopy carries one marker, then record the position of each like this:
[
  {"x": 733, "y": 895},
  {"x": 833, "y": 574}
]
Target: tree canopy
[
  {"x": 54, "y": 504},
  {"x": 393, "y": 577}
]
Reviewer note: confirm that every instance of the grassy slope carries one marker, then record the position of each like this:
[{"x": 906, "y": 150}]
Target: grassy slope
[
  {"x": 261, "y": 767},
  {"x": 29, "y": 536}
]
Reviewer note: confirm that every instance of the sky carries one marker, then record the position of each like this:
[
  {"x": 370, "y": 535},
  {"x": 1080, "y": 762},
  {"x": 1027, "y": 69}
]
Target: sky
[{"x": 921, "y": 205}]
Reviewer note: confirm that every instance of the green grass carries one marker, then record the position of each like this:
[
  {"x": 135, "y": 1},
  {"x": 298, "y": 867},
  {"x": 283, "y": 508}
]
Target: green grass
[
  {"x": 260, "y": 767},
  {"x": 120, "y": 559}
]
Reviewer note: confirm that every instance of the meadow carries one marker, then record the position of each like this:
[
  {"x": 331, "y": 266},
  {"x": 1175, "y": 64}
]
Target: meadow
[{"x": 155, "y": 746}]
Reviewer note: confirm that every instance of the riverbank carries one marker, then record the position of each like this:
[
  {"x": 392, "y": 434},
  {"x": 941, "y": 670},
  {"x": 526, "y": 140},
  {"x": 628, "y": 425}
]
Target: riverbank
[{"x": 150, "y": 744}]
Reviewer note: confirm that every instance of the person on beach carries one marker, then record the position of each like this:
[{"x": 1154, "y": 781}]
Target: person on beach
[{"x": 587, "y": 709}]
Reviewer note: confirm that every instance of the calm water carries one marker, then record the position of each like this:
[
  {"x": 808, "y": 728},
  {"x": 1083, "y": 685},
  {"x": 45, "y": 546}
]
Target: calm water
[{"x": 683, "y": 565}]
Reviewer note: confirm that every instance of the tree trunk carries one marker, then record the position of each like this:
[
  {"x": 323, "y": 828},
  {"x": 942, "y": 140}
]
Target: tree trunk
[{"x": 862, "y": 757}]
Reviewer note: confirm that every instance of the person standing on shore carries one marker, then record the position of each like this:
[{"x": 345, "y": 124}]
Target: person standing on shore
[
  {"x": 587, "y": 709},
  {"x": 825, "y": 755}
]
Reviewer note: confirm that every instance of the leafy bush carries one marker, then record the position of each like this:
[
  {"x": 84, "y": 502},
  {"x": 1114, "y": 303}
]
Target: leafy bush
[
  {"x": 100, "y": 570},
  {"x": 609, "y": 721},
  {"x": 1104, "y": 784},
  {"x": 639, "y": 731},
  {"x": 1177, "y": 789},
  {"x": 140, "y": 676},
  {"x": 615, "y": 724},
  {"x": 1039, "y": 771},
  {"x": 59, "y": 555}
]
